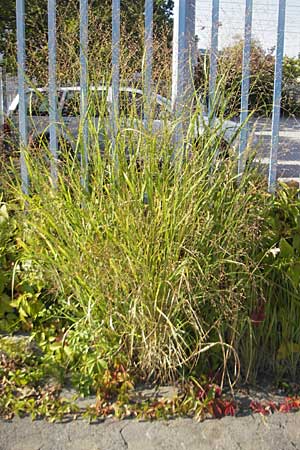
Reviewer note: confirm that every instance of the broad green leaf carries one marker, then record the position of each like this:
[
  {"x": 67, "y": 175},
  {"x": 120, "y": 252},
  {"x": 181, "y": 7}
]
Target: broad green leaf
[
  {"x": 296, "y": 242},
  {"x": 286, "y": 250},
  {"x": 294, "y": 272},
  {"x": 2, "y": 282},
  {"x": 3, "y": 214},
  {"x": 5, "y": 304}
]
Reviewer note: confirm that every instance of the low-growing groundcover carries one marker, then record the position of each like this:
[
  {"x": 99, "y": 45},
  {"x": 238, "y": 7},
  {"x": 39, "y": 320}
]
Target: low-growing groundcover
[{"x": 164, "y": 271}]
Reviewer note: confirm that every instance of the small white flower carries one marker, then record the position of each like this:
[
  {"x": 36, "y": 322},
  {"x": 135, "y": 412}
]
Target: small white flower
[{"x": 274, "y": 251}]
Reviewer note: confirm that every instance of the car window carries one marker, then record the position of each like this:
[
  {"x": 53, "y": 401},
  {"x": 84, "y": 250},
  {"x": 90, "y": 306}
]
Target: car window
[
  {"x": 37, "y": 104},
  {"x": 161, "y": 112},
  {"x": 71, "y": 106},
  {"x": 97, "y": 103},
  {"x": 131, "y": 104}
]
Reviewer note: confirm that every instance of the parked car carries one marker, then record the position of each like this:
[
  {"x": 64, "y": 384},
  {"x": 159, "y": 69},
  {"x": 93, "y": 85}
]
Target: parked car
[{"x": 68, "y": 112}]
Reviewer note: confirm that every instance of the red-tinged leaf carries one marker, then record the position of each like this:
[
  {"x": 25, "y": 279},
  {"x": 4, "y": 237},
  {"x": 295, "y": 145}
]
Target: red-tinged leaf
[
  {"x": 258, "y": 315},
  {"x": 295, "y": 402},
  {"x": 258, "y": 408},
  {"x": 201, "y": 395},
  {"x": 218, "y": 408},
  {"x": 285, "y": 408},
  {"x": 218, "y": 391},
  {"x": 289, "y": 404},
  {"x": 209, "y": 408},
  {"x": 230, "y": 409},
  {"x": 270, "y": 409}
]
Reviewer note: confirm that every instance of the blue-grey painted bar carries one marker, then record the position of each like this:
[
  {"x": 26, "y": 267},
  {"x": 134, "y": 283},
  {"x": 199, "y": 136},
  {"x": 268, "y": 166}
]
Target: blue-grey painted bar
[
  {"x": 182, "y": 66},
  {"x": 213, "y": 53},
  {"x": 148, "y": 58},
  {"x": 22, "y": 92},
  {"x": 178, "y": 68},
  {"x": 190, "y": 58},
  {"x": 277, "y": 96},
  {"x": 84, "y": 85},
  {"x": 175, "y": 56},
  {"x": 245, "y": 84},
  {"x": 179, "y": 50},
  {"x": 52, "y": 87},
  {"x": 115, "y": 73},
  {"x": 1, "y": 97}
]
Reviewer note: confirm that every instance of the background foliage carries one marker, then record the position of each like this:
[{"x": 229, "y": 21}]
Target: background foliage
[{"x": 262, "y": 65}]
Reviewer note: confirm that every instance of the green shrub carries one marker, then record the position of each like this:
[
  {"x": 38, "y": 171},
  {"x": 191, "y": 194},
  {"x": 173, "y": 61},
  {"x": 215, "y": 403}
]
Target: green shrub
[
  {"x": 20, "y": 285},
  {"x": 269, "y": 339},
  {"x": 262, "y": 66},
  {"x": 7, "y": 258}
]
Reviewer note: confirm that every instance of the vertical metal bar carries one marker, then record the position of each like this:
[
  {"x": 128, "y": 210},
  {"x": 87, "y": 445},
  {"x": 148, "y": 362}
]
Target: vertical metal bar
[
  {"x": 213, "y": 54},
  {"x": 245, "y": 84},
  {"x": 5, "y": 95},
  {"x": 148, "y": 58},
  {"x": 190, "y": 49},
  {"x": 84, "y": 86},
  {"x": 22, "y": 92},
  {"x": 1, "y": 98},
  {"x": 175, "y": 56},
  {"x": 178, "y": 70},
  {"x": 277, "y": 96},
  {"x": 52, "y": 87},
  {"x": 179, "y": 47},
  {"x": 115, "y": 74}
]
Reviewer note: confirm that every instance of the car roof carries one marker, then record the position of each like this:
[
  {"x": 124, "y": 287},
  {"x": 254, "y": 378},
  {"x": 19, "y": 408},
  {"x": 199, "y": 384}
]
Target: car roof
[{"x": 159, "y": 98}]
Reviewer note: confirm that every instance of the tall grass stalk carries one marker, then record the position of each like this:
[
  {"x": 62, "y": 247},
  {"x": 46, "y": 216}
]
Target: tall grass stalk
[{"x": 157, "y": 266}]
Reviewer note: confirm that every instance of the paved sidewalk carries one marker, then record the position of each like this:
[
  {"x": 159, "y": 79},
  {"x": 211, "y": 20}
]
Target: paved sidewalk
[
  {"x": 289, "y": 145},
  {"x": 276, "y": 432}
]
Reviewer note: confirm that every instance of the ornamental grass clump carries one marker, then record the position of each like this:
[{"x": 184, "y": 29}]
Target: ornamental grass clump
[{"x": 151, "y": 261}]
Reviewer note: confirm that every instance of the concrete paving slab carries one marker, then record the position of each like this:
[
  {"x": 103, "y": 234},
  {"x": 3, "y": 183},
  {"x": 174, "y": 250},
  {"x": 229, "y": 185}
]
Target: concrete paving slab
[{"x": 275, "y": 432}]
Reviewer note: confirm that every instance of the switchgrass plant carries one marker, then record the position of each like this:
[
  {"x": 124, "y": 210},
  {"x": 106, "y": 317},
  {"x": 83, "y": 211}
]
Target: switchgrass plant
[{"x": 155, "y": 260}]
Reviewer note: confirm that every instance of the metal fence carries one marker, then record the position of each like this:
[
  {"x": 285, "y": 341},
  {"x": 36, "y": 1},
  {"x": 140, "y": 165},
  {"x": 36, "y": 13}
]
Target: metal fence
[{"x": 184, "y": 42}]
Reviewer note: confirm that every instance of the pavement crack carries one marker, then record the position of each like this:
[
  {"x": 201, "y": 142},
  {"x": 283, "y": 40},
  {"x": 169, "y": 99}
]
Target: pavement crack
[{"x": 122, "y": 436}]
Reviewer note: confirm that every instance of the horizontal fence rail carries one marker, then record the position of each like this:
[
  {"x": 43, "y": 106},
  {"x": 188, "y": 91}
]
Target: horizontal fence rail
[{"x": 182, "y": 77}]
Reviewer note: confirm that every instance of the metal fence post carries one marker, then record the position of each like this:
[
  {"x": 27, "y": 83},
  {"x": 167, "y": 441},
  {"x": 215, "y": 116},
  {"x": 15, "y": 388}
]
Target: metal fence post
[
  {"x": 182, "y": 77},
  {"x": 190, "y": 59},
  {"x": 178, "y": 70},
  {"x": 115, "y": 75},
  {"x": 245, "y": 84},
  {"x": 84, "y": 86},
  {"x": 277, "y": 96},
  {"x": 179, "y": 46},
  {"x": 213, "y": 55},
  {"x": 52, "y": 87},
  {"x": 148, "y": 58},
  {"x": 2, "y": 112},
  {"x": 20, "y": 9}
]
